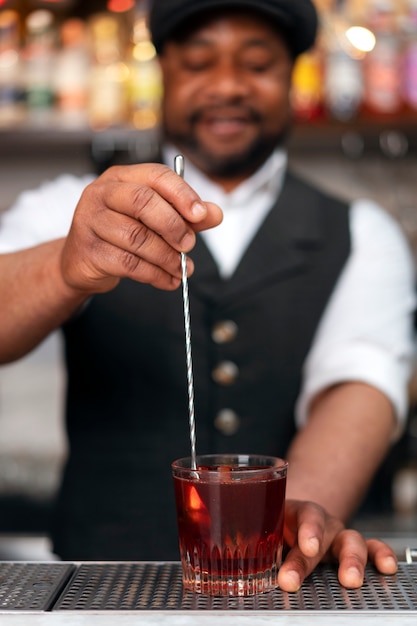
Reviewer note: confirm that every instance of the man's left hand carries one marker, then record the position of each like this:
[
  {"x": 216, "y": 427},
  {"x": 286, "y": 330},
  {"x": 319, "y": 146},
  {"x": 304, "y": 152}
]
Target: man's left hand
[{"x": 312, "y": 535}]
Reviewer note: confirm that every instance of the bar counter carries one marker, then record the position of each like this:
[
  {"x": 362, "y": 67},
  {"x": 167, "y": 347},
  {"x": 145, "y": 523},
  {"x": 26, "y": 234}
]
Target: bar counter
[
  {"x": 283, "y": 618},
  {"x": 151, "y": 593}
]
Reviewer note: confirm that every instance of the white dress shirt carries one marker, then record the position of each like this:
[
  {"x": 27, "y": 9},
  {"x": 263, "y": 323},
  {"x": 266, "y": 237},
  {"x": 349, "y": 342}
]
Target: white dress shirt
[{"x": 365, "y": 333}]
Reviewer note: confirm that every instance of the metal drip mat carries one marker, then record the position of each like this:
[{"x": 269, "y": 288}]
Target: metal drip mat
[
  {"x": 103, "y": 587},
  {"x": 158, "y": 586},
  {"x": 32, "y": 586}
]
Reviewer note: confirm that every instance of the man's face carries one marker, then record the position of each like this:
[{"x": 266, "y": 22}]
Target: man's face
[{"x": 226, "y": 94}]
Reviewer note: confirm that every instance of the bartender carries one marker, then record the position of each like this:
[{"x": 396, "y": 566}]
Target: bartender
[{"x": 300, "y": 305}]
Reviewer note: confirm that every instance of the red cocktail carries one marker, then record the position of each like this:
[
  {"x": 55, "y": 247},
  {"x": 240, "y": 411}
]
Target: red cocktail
[{"x": 230, "y": 514}]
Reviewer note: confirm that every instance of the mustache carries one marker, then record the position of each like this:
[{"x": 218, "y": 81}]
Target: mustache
[{"x": 225, "y": 109}]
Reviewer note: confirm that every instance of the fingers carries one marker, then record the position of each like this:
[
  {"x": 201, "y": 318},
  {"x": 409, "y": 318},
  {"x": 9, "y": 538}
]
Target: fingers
[
  {"x": 350, "y": 549},
  {"x": 137, "y": 203},
  {"x": 353, "y": 552},
  {"x": 382, "y": 556},
  {"x": 132, "y": 247},
  {"x": 132, "y": 222},
  {"x": 312, "y": 529},
  {"x": 309, "y": 532},
  {"x": 166, "y": 184},
  {"x": 313, "y": 535}
]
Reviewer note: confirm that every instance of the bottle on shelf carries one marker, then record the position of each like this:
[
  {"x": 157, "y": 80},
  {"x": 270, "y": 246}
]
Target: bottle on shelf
[
  {"x": 107, "y": 95},
  {"x": 145, "y": 82},
  {"x": 383, "y": 65},
  {"x": 12, "y": 107},
  {"x": 307, "y": 86},
  {"x": 71, "y": 74},
  {"x": 39, "y": 54},
  {"x": 410, "y": 57},
  {"x": 342, "y": 69}
]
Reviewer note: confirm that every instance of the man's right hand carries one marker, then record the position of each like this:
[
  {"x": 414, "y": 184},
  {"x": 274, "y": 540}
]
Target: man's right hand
[{"x": 132, "y": 222}]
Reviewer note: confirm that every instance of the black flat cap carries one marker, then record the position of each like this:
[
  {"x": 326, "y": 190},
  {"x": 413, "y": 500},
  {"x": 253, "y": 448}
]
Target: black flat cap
[{"x": 297, "y": 18}]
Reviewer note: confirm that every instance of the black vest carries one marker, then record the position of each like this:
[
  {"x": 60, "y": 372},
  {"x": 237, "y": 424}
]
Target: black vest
[{"x": 127, "y": 404}]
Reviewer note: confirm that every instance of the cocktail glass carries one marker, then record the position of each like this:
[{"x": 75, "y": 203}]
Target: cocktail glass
[{"x": 230, "y": 512}]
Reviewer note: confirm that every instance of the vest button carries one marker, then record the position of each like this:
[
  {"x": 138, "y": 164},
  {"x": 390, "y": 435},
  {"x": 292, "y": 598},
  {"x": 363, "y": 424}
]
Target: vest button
[
  {"x": 225, "y": 373},
  {"x": 224, "y": 331},
  {"x": 227, "y": 422}
]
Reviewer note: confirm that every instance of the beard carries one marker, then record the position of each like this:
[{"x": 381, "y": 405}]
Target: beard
[{"x": 239, "y": 164}]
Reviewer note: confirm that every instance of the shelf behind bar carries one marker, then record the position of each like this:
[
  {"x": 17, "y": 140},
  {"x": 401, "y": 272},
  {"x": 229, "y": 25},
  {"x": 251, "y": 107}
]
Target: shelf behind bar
[{"x": 318, "y": 134}]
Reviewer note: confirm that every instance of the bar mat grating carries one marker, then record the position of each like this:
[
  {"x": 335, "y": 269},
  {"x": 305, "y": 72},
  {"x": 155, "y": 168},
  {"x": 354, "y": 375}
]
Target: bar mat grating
[
  {"x": 31, "y": 586},
  {"x": 158, "y": 586},
  {"x": 101, "y": 587}
]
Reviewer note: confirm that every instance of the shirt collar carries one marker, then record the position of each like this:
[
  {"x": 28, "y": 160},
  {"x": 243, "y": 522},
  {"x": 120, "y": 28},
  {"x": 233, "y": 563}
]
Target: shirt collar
[{"x": 267, "y": 179}]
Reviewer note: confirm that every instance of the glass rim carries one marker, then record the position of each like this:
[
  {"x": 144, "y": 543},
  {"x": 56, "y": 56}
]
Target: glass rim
[{"x": 262, "y": 462}]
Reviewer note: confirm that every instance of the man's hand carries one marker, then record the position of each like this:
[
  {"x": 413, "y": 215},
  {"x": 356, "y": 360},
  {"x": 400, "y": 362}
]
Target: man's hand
[
  {"x": 132, "y": 222},
  {"x": 312, "y": 536}
]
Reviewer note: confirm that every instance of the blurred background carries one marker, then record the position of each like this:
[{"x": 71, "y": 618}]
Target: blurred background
[{"x": 80, "y": 89}]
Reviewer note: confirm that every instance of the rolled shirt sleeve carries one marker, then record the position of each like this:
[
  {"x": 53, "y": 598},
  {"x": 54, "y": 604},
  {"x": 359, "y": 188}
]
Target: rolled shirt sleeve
[{"x": 366, "y": 332}]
